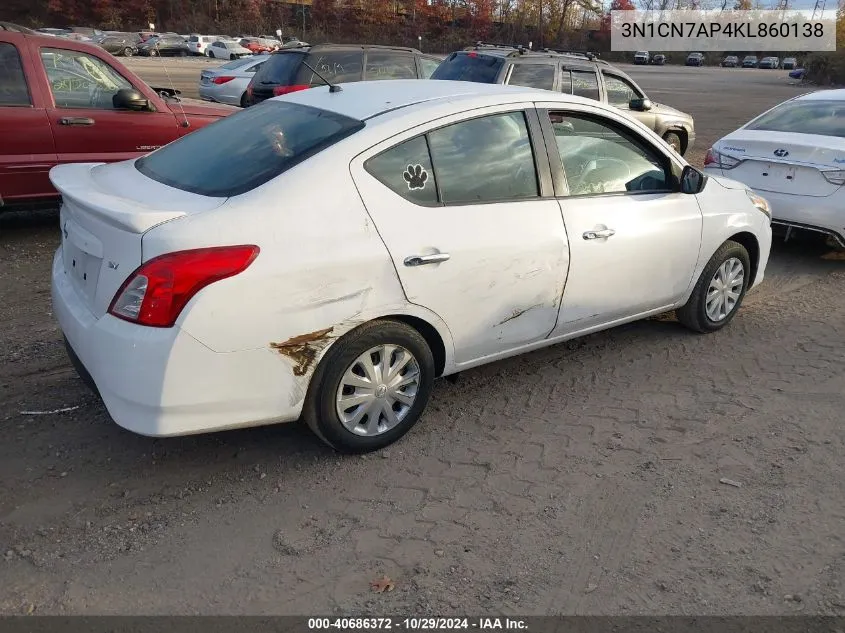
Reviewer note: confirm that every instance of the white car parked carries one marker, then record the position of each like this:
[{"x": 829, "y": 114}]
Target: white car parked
[
  {"x": 226, "y": 49},
  {"x": 328, "y": 254},
  {"x": 794, "y": 155},
  {"x": 199, "y": 43}
]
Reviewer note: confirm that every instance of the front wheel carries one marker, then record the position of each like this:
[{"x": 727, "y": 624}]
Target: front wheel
[
  {"x": 210, "y": 54},
  {"x": 371, "y": 387},
  {"x": 719, "y": 291},
  {"x": 128, "y": 52},
  {"x": 153, "y": 52},
  {"x": 233, "y": 57}
]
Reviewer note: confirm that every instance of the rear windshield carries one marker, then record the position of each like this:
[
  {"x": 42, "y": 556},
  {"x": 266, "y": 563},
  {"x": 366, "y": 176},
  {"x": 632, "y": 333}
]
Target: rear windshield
[
  {"x": 246, "y": 149},
  {"x": 469, "y": 67},
  {"x": 826, "y": 118},
  {"x": 237, "y": 63},
  {"x": 336, "y": 66},
  {"x": 279, "y": 69}
]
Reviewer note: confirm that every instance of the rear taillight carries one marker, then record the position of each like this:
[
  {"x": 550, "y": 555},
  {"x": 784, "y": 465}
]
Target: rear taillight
[
  {"x": 717, "y": 159},
  {"x": 283, "y": 90},
  {"x": 222, "y": 80},
  {"x": 155, "y": 294}
]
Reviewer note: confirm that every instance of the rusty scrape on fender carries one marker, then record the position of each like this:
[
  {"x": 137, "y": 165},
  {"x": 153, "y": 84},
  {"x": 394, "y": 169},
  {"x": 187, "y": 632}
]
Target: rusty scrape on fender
[{"x": 303, "y": 349}]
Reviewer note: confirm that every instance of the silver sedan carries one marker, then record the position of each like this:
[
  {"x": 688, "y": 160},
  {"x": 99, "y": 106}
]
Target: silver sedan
[{"x": 228, "y": 83}]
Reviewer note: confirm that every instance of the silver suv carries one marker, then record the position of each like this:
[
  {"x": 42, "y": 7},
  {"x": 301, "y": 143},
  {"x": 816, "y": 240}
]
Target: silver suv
[{"x": 575, "y": 73}]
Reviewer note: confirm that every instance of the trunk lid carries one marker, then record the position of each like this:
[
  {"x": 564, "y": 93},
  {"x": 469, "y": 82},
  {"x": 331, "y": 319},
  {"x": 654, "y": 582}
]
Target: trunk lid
[
  {"x": 106, "y": 209},
  {"x": 797, "y": 172}
]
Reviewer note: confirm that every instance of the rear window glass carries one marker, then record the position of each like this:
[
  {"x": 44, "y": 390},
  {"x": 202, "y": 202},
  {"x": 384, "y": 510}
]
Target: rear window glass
[
  {"x": 533, "y": 76},
  {"x": 825, "y": 118},
  {"x": 336, "y": 66},
  {"x": 246, "y": 149},
  {"x": 469, "y": 67},
  {"x": 279, "y": 69},
  {"x": 237, "y": 63},
  {"x": 390, "y": 65}
]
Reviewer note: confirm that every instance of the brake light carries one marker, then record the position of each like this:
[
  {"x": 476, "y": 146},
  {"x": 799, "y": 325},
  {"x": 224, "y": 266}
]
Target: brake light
[
  {"x": 222, "y": 80},
  {"x": 720, "y": 160},
  {"x": 283, "y": 90},
  {"x": 156, "y": 293}
]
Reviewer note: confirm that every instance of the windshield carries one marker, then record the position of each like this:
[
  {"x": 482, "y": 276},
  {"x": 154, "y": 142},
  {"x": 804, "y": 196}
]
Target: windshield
[
  {"x": 469, "y": 67},
  {"x": 825, "y": 118},
  {"x": 246, "y": 149}
]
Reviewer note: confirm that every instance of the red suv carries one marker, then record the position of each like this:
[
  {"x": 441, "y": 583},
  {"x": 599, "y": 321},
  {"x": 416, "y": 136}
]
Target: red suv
[{"x": 63, "y": 101}]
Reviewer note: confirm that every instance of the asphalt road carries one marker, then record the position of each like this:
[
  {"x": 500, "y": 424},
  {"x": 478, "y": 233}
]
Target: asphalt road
[{"x": 580, "y": 479}]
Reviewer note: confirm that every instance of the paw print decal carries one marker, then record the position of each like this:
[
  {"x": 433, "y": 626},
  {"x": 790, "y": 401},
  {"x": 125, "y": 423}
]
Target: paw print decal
[{"x": 415, "y": 176}]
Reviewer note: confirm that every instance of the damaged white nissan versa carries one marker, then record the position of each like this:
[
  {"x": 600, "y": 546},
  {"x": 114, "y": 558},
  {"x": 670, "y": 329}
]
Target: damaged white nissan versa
[{"x": 327, "y": 254}]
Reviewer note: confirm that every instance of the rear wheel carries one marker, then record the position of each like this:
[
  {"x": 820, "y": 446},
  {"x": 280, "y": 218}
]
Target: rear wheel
[
  {"x": 233, "y": 57},
  {"x": 674, "y": 140},
  {"x": 210, "y": 53},
  {"x": 243, "y": 100},
  {"x": 371, "y": 387},
  {"x": 719, "y": 291}
]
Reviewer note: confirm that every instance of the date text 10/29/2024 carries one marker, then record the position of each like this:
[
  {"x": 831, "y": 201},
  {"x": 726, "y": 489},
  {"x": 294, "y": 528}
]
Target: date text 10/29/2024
[{"x": 417, "y": 624}]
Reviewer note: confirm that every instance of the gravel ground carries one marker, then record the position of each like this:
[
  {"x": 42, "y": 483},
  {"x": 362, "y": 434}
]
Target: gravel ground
[{"x": 580, "y": 479}]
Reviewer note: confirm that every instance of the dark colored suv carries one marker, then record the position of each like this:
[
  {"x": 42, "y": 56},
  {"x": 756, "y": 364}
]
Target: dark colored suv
[
  {"x": 573, "y": 73},
  {"x": 285, "y": 71}
]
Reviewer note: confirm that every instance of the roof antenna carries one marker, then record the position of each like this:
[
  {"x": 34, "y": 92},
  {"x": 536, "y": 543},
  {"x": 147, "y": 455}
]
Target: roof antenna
[{"x": 332, "y": 87}]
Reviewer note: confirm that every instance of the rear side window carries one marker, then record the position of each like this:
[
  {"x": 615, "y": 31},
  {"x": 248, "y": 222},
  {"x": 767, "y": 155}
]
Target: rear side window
[
  {"x": 13, "y": 90},
  {"x": 428, "y": 66},
  {"x": 390, "y": 65},
  {"x": 336, "y": 66},
  {"x": 533, "y": 76},
  {"x": 484, "y": 160},
  {"x": 469, "y": 67},
  {"x": 406, "y": 169},
  {"x": 585, "y": 84},
  {"x": 246, "y": 149},
  {"x": 280, "y": 69}
]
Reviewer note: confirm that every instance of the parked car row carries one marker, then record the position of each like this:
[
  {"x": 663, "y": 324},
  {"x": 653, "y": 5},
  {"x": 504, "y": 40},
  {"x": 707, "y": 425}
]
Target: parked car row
[{"x": 751, "y": 61}]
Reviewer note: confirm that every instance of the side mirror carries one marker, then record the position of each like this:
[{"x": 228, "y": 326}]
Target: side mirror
[
  {"x": 130, "y": 99},
  {"x": 640, "y": 105},
  {"x": 692, "y": 180}
]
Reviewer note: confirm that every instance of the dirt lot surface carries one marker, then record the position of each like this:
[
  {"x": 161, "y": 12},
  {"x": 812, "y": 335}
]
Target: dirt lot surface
[{"x": 581, "y": 479}]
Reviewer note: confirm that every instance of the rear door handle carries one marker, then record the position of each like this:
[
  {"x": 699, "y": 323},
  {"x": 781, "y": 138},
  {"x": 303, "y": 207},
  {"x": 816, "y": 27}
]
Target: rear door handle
[
  {"x": 421, "y": 260},
  {"x": 596, "y": 235},
  {"x": 76, "y": 120}
]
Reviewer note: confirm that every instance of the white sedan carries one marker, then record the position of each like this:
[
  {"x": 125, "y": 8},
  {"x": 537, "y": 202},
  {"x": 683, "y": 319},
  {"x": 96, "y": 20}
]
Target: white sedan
[
  {"x": 328, "y": 254},
  {"x": 794, "y": 156}
]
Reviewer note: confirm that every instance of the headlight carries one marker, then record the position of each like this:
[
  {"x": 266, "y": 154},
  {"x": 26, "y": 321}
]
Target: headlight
[{"x": 760, "y": 203}]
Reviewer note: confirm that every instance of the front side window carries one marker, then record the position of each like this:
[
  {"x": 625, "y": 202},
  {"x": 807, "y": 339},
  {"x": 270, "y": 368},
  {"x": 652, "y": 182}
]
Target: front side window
[
  {"x": 585, "y": 84},
  {"x": 599, "y": 157},
  {"x": 619, "y": 91},
  {"x": 247, "y": 149},
  {"x": 533, "y": 76},
  {"x": 390, "y": 65},
  {"x": 13, "y": 88},
  {"x": 428, "y": 67},
  {"x": 406, "y": 169},
  {"x": 79, "y": 80},
  {"x": 336, "y": 66},
  {"x": 484, "y": 160}
]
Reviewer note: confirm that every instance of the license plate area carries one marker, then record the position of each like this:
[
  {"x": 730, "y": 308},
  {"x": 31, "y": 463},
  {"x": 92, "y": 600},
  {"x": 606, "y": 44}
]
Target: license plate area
[
  {"x": 778, "y": 172},
  {"x": 81, "y": 267}
]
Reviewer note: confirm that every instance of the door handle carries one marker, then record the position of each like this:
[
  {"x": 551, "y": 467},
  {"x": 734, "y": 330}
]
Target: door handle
[
  {"x": 76, "y": 120},
  {"x": 421, "y": 260},
  {"x": 596, "y": 235}
]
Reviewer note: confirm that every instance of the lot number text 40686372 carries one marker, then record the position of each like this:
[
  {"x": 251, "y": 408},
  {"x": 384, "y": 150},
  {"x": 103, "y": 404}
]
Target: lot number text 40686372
[{"x": 418, "y": 624}]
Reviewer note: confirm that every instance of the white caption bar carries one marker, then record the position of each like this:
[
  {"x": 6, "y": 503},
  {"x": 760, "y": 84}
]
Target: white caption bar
[{"x": 730, "y": 31}]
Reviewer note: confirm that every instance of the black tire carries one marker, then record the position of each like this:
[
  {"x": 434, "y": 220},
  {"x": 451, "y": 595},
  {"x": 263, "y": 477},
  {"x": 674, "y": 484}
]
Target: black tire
[
  {"x": 319, "y": 410},
  {"x": 675, "y": 141},
  {"x": 244, "y": 102},
  {"x": 233, "y": 57},
  {"x": 210, "y": 53},
  {"x": 153, "y": 52},
  {"x": 128, "y": 51},
  {"x": 694, "y": 314}
]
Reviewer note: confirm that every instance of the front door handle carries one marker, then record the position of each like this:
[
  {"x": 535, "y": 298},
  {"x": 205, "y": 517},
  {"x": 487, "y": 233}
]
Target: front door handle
[
  {"x": 596, "y": 235},
  {"x": 421, "y": 260},
  {"x": 76, "y": 120}
]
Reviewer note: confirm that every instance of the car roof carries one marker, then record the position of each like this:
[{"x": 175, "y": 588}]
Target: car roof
[
  {"x": 366, "y": 99},
  {"x": 824, "y": 95}
]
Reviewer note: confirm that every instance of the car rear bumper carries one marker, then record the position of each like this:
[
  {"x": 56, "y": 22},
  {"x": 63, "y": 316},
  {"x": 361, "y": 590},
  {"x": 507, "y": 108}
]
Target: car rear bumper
[{"x": 162, "y": 381}]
